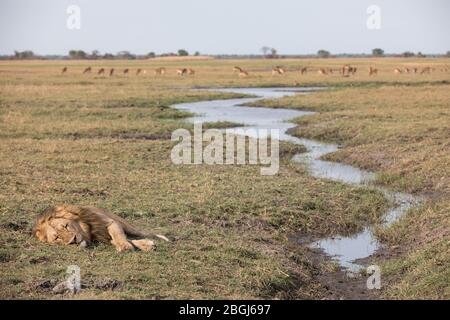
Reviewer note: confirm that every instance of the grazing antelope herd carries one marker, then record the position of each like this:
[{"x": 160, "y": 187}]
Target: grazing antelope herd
[
  {"x": 345, "y": 71},
  {"x": 157, "y": 71}
]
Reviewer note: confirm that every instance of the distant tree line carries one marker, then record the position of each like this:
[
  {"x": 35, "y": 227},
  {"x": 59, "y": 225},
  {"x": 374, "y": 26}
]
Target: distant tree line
[
  {"x": 23, "y": 55},
  {"x": 267, "y": 52},
  {"x": 377, "y": 52},
  {"x": 94, "y": 55},
  {"x": 125, "y": 55},
  {"x": 323, "y": 53}
]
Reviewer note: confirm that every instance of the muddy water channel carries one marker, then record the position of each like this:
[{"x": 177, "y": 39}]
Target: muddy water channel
[{"x": 344, "y": 249}]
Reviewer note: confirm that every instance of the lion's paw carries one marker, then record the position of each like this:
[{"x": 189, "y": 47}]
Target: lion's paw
[
  {"x": 124, "y": 246},
  {"x": 144, "y": 244}
]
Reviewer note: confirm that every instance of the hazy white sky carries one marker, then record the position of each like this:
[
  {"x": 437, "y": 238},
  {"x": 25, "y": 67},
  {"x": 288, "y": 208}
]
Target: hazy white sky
[{"x": 224, "y": 26}]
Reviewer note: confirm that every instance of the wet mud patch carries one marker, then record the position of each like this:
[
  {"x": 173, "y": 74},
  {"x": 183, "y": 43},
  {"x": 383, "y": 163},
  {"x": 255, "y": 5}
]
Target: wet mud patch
[{"x": 336, "y": 281}]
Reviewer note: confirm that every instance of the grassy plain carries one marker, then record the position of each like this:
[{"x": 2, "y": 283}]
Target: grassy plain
[{"x": 105, "y": 141}]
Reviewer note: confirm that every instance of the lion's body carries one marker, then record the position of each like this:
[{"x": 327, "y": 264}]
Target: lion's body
[{"x": 73, "y": 224}]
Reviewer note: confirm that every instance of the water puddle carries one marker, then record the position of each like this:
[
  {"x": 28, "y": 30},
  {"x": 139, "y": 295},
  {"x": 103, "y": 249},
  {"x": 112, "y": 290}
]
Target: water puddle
[{"x": 345, "y": 249}]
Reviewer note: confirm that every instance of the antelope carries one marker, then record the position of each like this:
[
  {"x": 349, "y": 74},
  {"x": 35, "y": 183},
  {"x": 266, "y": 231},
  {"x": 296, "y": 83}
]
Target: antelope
[
  {"x": 87, "y": 70},
  {"x": 426, "y": 70},
  {"x": 278, "y": 70},
  {"x": 373, "y": 71},
  {"x": 64, "y": 70},
  {"x": 407, "y": 70},
  {"x": 111, "y": 72},
  {"x": 190, "y": 71},
  {"x": 303, "y": 70},
  {"x": 347, "y": 70},
  {"x": 182, "y": 72},
  {"x": 101, "y": 71},
  {"x": 397, "y": 71},
  {"x": 138, "y": 71},
  {"x": 237, "y": 69},
  {"x": 126, "y": 71},
  {"x": 243, "y": 74},
  {"x": 160, "y": 71},
  {"x": 322, "y": 71},
  {"x": 415, "y": 70}
]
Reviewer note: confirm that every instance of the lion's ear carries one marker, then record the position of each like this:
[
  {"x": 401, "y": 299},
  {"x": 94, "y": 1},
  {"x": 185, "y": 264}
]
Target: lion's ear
[{"x": 39, "y": 233}]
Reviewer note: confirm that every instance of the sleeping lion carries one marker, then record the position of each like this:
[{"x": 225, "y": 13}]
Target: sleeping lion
[{"x": 69, "y": 224}]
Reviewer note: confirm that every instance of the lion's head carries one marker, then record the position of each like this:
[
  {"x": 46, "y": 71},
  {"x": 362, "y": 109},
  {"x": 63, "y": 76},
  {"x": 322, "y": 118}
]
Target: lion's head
[{"x": 58, "y": 225}]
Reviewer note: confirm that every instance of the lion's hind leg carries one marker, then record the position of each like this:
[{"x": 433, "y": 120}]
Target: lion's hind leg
[
  {"x": 144, "y": 244},
  {"x": 119, "y": 238}
]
